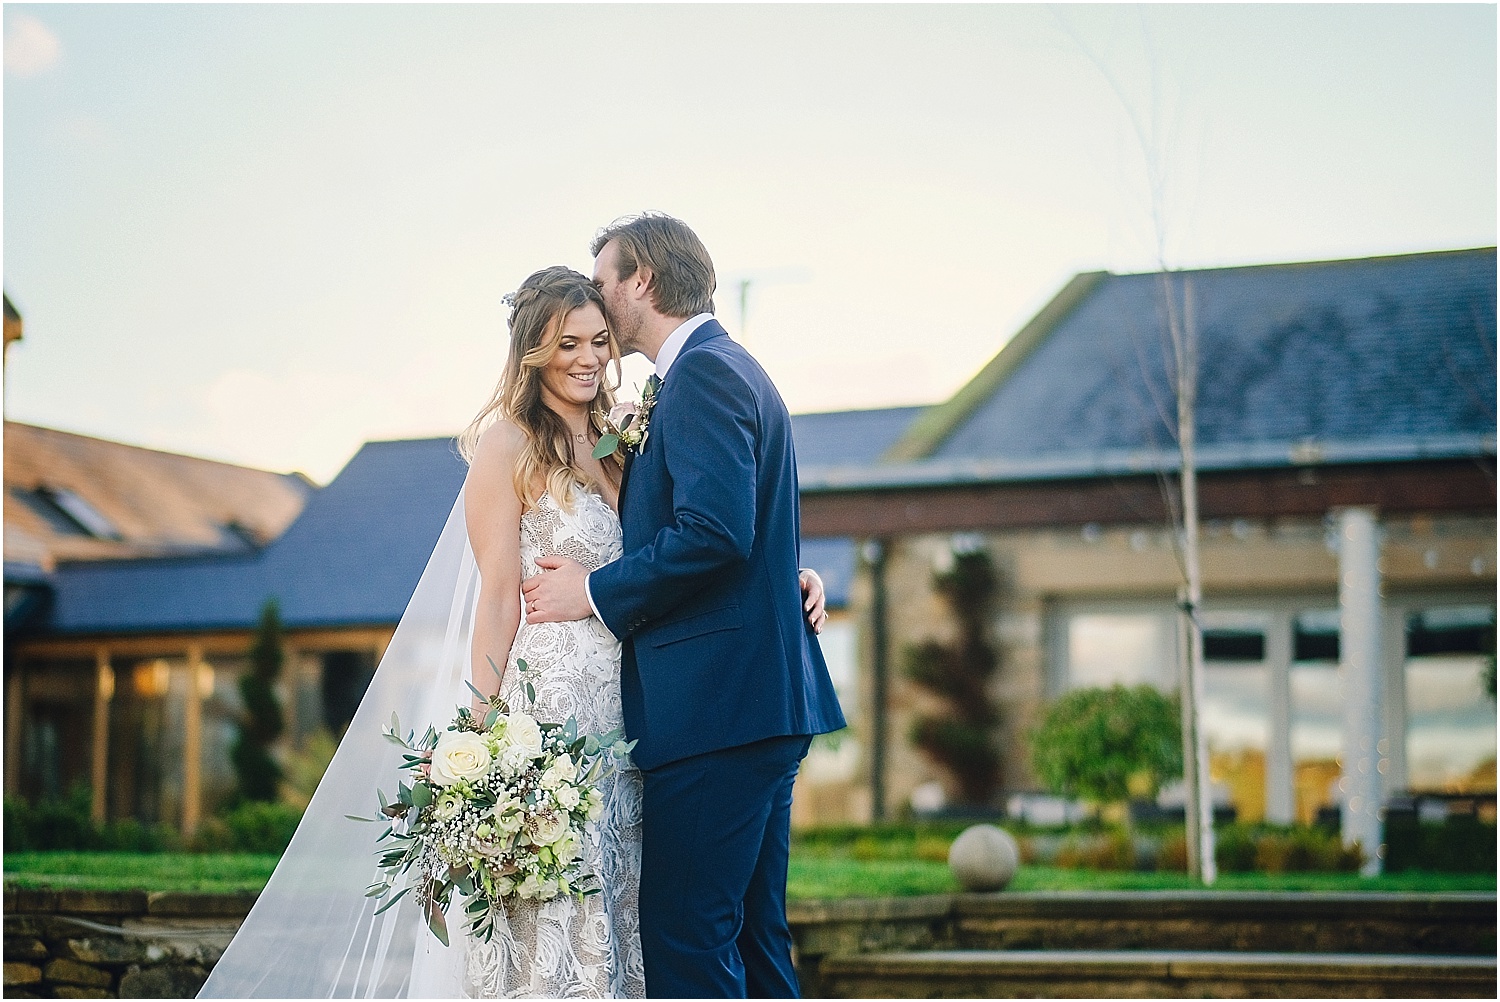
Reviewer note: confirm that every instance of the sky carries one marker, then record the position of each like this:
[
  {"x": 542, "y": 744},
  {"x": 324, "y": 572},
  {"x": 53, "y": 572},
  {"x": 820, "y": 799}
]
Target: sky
[{"x": 267, "y": 234}]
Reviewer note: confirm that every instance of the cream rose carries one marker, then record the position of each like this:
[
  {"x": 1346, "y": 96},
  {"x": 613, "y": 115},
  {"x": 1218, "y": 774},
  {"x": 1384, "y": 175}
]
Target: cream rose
[
  {"x": 524, "y": 734},
  {"x": 548, "y": 828},
  {"x": 561, "y": 771},
  {"x": 566, "y": 797},
  {"x": 459, "y": 755}
]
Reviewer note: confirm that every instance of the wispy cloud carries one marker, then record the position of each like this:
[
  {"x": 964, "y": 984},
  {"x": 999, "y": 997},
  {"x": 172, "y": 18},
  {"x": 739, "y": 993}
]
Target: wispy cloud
[{"x": 30, "y": 46}]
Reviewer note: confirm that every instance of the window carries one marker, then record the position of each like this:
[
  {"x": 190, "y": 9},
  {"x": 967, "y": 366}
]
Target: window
[
  {"x": 1317, "y": 712},
  {"x": 1450, "y": 717},
  {"x": 1126, "y": 648},
  {"x": 67, "y": 513},
  {"x": 1236, "y": 710}
]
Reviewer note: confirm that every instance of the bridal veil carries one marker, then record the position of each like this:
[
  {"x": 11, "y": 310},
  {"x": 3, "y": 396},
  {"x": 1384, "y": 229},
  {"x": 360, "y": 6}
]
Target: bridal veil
[{"x": 313, "y": 933}]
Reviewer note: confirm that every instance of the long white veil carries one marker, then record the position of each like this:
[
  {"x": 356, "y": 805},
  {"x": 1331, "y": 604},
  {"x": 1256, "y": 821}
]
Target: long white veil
[{"x": 313, "y": 933}]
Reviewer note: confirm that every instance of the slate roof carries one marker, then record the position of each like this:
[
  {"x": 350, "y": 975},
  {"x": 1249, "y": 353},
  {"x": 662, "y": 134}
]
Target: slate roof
[
  {"x": 1380, "y": 358},
  {"x": 849, "y": 438},
  {"x": 838, "y": 440},
  {"x": 354, "y": 557},
  {"x": 355, "y": 554}
]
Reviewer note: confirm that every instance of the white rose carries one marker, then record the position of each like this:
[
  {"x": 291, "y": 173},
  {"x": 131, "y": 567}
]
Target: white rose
[
  {"x": 548, "y": 828},
  {"x": 531, "y": 887},
  {"x": 561, "y": 771},
  {"x": 523, "y": 733},
  {"x": 567, "y": 797},
  {"x": 566, "y": 849},
  {"x": 459, "y": 755},
  {"x": 596, "y": 804}
]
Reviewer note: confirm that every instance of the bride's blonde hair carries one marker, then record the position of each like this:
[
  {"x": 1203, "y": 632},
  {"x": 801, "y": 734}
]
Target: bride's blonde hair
[{"x": 539, "y": 309}]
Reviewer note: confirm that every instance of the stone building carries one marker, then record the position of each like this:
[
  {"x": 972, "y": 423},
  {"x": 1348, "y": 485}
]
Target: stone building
[{"x": 1330, "y": 392}]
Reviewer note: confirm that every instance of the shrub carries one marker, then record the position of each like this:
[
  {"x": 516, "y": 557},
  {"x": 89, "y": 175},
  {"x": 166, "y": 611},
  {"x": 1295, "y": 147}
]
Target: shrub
[
  {"x": 1234, "y": 849},
  {"x": 961, "y": 737},
  {"x": 1172, "y": 857},
  {"x": 253, "y": 826},
  {"x": 262, "y": 721},
  {"x": 66, "y": 824},
  {"x": 1094, "y": 742}
]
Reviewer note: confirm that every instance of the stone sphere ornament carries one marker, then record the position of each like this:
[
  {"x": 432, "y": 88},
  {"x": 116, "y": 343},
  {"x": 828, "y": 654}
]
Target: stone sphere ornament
[{"x": 984, "y": 858}]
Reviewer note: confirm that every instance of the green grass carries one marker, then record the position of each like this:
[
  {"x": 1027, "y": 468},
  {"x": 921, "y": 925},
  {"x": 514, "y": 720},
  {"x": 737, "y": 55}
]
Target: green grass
[
  {"x": 810, "y": 876},
  {"x": 124, "y": 871},
  {"x": 832, "y": 877}
]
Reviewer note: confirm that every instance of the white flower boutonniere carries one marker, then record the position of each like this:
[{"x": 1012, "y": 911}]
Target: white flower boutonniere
[{"x": 629, "y": 423}]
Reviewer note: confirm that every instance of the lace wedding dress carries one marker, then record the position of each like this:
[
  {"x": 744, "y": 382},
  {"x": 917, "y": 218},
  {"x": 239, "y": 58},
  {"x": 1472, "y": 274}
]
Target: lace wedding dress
[{"x": 567, "y": 948}]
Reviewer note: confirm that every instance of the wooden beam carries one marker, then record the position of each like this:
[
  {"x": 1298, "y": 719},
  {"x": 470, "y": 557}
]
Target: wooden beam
[
  {"x": 213, "y": 644},
  {"x": 104, "y": 692},
  {"x": 15, "y": 722},
  {"x": 1438, "y": 486},
  {"x": 192, "y": 742}
]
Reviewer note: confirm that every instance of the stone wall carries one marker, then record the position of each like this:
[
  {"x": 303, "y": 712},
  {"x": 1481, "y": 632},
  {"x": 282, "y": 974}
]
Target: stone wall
[{"x": 71, "y": 944}]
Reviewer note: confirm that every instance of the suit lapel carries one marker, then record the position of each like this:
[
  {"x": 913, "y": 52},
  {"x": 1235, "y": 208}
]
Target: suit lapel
[{"x": 707, "y": 330}]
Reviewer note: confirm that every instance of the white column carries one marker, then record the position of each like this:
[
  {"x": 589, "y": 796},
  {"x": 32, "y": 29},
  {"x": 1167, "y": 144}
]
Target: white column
[
  {"x": 1281, "y": 799},
  {"x": 1360, "y": 670}
]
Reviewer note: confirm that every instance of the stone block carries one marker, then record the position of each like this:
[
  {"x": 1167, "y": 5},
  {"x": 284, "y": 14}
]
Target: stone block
[
  {"x": 201, "y": 904},
  {"x": 29, "y": 899},
  {"x": 104, "y": 950},
  {"x": 167, "y": 981},
  {"x": 21, "y": 974},
  {"x": 75, "y": 992},
  {"x": 24, "y": 948},
  {"x": 984, "y": 858},
  {"x": 80, "y": 902},
  {"x": 72, "y": 972}
]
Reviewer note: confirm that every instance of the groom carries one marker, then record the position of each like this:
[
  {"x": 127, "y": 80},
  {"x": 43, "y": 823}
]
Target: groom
[{"x": 722, "y": 680}]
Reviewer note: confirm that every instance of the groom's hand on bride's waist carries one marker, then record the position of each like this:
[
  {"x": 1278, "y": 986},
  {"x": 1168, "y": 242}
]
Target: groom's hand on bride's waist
[{"x": 559, "y": 594}]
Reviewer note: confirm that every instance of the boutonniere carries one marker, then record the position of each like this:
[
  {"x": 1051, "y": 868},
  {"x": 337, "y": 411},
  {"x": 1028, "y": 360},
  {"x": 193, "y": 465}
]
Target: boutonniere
[{"x": 628, "y": 423}]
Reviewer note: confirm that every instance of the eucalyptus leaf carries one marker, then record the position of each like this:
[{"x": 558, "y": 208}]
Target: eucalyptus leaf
[
  {"x": 421, "y": 796},
  {"x": 437, "y": 923},
  {"x": 607, "y": 445}
]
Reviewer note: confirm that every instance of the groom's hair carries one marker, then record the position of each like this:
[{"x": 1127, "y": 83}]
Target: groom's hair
[{"x": 682, "y": 273}]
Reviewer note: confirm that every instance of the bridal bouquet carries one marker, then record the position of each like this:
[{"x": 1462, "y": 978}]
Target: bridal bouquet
[{"x": 494, "y": 808}]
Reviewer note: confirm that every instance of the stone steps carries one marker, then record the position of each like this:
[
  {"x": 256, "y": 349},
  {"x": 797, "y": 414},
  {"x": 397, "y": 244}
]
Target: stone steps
[{"x": 1152, "y": 974}]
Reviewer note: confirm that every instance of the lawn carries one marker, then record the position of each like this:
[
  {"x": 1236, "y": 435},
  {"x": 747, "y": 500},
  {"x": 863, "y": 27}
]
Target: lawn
[
  {"x": 811, "y": 876},
  {"x": 125, "y": 871}
]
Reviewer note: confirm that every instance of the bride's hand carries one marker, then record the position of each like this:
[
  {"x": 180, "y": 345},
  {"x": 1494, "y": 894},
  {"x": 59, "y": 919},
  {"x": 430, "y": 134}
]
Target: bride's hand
[{"x": 812, "y": 598}]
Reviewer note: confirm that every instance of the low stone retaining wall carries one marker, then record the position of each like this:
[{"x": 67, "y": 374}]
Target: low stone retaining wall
[
  {"x": 115, "y": 944},
  {"x": 1357, "y": 923},
  {"x": 134, "y": 944}
]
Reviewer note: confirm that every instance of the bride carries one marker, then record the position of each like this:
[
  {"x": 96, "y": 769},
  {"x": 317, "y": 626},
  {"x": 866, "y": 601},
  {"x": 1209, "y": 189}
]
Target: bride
[{"x": 533, "y": 490}]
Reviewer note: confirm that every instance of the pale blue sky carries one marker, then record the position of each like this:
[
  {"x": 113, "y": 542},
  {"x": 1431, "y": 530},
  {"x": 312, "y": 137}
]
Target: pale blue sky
[{"x": 269, "y": 233}]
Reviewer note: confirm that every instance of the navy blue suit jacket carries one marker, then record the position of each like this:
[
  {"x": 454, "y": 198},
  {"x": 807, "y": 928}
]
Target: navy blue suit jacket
[{"x": 706, "y": 600}]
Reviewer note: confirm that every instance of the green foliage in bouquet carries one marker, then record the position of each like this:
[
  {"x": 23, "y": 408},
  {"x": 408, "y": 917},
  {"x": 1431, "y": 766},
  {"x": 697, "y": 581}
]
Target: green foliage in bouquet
[
  {"x": 1104, "y": 745},
  {"x": 262, "y": 722},
  {"x": 962, "y": 737},
  {"x": 494, "y": 809}
]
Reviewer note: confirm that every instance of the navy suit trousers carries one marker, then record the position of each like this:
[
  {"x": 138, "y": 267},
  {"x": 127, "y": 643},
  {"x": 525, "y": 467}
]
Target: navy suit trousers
[{"x": 717, "y": 830}]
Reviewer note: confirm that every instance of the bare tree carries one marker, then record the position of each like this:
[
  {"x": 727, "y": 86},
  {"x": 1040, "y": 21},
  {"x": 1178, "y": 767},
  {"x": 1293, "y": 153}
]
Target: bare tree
[{"x": 1180, "y": 329}]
